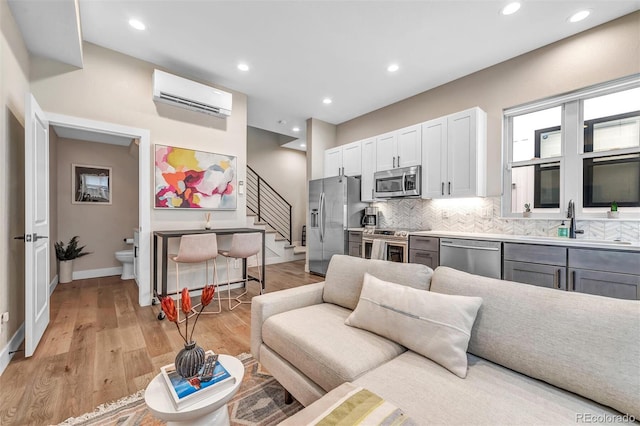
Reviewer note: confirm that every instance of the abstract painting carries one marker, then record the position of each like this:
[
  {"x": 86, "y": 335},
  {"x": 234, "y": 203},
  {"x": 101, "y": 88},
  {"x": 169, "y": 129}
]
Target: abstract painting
[{"x": 189, "y": 179}]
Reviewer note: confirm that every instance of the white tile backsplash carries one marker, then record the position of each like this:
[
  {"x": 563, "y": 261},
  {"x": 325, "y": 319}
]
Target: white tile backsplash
[{"x": 483, "y": 215}]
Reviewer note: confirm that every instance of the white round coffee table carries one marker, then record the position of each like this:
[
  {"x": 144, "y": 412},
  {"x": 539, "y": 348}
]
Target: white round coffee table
[{"x": 210, "y": 411}]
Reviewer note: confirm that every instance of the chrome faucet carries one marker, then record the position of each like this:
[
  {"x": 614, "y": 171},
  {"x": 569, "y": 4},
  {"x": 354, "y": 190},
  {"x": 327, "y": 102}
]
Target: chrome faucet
[{"x": 571, "y": 214}]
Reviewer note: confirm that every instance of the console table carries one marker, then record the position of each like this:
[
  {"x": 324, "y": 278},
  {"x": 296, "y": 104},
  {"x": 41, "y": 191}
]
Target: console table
[{"x": 164, "y": 237}]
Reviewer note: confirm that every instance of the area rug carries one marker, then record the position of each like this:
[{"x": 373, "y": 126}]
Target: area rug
[{"x": 259, "y": 401}]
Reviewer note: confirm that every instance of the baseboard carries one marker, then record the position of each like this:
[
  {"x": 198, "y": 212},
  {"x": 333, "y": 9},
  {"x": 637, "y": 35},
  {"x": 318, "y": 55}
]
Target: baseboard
[
  {"x": 53, "y": 284},
  {"x": 13, "y": 345},
  {"x": 97, "y": 273}
]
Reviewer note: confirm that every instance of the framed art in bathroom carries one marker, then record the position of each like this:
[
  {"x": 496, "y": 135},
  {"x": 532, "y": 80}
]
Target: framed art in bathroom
[
  {"x": 91, "y": 184},
  {"x": 190, "y": 179}
]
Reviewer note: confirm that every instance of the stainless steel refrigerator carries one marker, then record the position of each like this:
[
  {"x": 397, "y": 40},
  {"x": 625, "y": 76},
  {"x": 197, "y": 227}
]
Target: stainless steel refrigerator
[{"x": 334, "y": 206}]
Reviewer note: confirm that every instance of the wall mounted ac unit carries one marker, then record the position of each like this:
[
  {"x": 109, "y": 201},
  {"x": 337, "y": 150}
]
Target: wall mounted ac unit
[{"x": 183, "y": 93}]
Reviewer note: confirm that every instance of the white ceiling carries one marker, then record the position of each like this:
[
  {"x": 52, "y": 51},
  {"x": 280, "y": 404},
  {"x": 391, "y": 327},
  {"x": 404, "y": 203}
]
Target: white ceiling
[{"x": 302, "y": 51}]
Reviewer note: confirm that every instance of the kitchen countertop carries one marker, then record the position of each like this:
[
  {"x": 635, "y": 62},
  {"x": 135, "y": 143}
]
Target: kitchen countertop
[{"x": 529, "y": 239}]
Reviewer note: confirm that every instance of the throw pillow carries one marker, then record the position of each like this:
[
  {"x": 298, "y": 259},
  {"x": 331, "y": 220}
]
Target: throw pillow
[{"x": 437, "y": 326}]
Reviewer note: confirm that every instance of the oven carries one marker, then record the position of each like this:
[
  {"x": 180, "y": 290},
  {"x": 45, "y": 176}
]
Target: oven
[
  {"x": 396, "y": 245},
  {"x": 402, "y": 182}
]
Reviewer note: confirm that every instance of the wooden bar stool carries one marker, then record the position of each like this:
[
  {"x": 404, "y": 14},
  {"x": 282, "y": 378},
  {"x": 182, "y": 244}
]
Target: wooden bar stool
[
  {"x": 243, "y": 246},
  {"x": 197, "y": 248}
]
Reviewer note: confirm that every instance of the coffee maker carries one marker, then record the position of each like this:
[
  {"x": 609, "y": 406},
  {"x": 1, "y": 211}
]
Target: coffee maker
[{"x": 370, "y": 218}]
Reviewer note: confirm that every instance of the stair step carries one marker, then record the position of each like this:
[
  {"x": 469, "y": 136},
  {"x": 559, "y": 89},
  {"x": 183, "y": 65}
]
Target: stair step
[
  {"x": 251, "y": 215},
  {"x": 299, "y": 249},
  {"x": 260, "y": 223}
]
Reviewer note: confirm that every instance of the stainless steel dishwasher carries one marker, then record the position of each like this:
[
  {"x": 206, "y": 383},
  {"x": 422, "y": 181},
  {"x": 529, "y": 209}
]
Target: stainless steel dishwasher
[{"x": 473, "y": 256}]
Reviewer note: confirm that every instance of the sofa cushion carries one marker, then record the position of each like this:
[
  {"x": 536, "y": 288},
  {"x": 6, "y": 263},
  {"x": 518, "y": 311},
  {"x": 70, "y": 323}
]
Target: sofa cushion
[
  {"x": 316, "y": 341},
  {"x": 343, "y": 281},
  {"x": 490, "y": 395},
  {"x": 437, "y": 326},
  {"x": 586, "y": 344}
]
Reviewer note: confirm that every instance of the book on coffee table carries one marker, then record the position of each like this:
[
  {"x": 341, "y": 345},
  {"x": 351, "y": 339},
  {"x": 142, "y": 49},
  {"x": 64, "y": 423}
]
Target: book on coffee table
[{"x": 187, "y": 392}]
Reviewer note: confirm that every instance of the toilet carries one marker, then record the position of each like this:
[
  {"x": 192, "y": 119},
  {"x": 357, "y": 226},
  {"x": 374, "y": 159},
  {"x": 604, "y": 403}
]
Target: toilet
[{"x": 126, "y": 258}]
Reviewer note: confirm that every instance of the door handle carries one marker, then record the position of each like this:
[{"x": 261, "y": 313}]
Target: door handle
[
  {"x": 404, "y": 182},
  {"x": 449, "y": 188},
  {"x": 21, "y": 237},
  {"x": 557, "y": 279},
  {"x": 394, "y": 162},
  {"x": 37, "y": 237},
  {"x": 442, "y": 188},
  {"x": 573, "y": 280},
  {"x": 398, "y": 161}
]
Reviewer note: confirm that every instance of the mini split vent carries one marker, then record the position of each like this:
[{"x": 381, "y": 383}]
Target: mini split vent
[{"x": 183, "y": 93}]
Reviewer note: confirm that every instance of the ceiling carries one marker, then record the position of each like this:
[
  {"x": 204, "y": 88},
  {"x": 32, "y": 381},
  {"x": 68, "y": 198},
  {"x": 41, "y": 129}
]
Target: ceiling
[{"x": 300, "y": 52}]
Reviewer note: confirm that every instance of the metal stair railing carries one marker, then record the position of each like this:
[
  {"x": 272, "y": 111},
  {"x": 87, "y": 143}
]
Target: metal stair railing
[{"x": 270, "y": 207}]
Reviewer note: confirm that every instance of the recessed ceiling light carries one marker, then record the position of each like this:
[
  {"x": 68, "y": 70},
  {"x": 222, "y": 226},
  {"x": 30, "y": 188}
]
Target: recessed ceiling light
[
  {"x": 138, "y": 25},
  {"x": 303, "y": 145},
  {"x": 393, "y": 68},
  {"x": 511, "y": 8},
  {"x": 327, "y": 101},
  {"x": 243, "y": 67},
  {"x": 296, "y": 129},
  {"x": 579, "y": 16}
]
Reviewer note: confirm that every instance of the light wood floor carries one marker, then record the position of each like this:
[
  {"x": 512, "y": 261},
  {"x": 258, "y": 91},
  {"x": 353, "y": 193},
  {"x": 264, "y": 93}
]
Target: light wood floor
[{"x": 101, "y": 346}]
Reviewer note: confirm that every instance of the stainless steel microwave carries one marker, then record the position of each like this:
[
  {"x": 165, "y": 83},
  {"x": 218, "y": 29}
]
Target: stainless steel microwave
[{"x": 401, "y": 182}]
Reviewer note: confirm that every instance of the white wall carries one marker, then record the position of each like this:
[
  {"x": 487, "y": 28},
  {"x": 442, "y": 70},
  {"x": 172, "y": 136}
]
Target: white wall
[
  {"x": 116, "y": 88},
  {"x": 282, "y": 168},
  {"x": 603, "y": 53},
  {"x": 14, "y": 84}
]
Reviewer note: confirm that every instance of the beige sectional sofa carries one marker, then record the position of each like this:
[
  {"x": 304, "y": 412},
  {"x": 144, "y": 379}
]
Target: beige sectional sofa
[{"x": 535, "y": 355}]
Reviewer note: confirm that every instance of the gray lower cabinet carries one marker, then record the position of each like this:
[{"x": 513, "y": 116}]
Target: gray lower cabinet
[
  {"x": 551, "y": 276},
  {"x": 608, "y": 273},
  {"x": 544, "y": 266},
  {"x": 355, "y": 243},
  {"x": 424, "y": 250},
  {"x": 610, "y": 284},
  {"x": 429, "y": 258}
]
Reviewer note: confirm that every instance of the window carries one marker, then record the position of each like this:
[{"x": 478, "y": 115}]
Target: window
[{"x": 583, "y": 146}]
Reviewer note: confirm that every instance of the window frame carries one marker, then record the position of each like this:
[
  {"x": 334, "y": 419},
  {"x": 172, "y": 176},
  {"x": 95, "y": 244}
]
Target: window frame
[{"x": 572, "y": 155}]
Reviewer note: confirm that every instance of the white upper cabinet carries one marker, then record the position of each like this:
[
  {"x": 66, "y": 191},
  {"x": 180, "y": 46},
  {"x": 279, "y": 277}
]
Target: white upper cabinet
[
  {"x": 454, "y": 155},
  {"x": 434, "y": 157},
  {"x": 401, "y": 148},
  {"x": 386, "y": 151},
  {"x": 333, "y": 162},
  {"x": 343, "y": 160},
  {"x": 409, "y": 146},
  {"x": 352, "y": 159},
  {"x": 368, "y": 169}
]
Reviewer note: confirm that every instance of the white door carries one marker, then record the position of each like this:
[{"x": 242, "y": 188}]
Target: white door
[
  {"x": 36, "y": 187},
  {"x": 409, "y": 147}
]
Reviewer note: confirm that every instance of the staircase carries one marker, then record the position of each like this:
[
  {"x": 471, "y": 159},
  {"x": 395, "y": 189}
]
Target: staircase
[
  {"x": 277, "y": 249},
  {"x": 268, "y": 210}
]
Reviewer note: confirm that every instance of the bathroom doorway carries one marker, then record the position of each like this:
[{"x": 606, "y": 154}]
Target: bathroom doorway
[{"x": 91, "y": 145}]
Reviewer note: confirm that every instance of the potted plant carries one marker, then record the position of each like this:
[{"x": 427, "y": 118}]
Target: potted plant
[
  {"x": 613, "y": 213},
  {"x": 527, "y": 210},
  {"x": 65, "y": 256}
]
